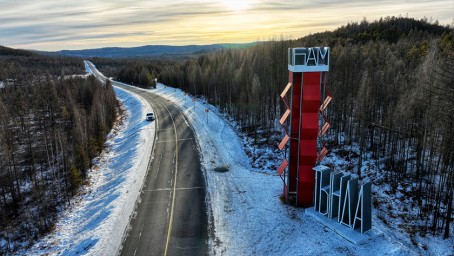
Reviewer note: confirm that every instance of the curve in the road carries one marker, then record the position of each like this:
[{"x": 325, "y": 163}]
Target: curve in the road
[{"x": 171, "y": 217}]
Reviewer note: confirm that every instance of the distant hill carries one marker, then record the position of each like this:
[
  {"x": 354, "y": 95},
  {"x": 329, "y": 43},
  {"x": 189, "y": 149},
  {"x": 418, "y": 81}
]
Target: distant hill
[
  {"x": 20, "y": 64},
  {"x": 6, "y": 51},
  {"x": 150, "y": 50}
]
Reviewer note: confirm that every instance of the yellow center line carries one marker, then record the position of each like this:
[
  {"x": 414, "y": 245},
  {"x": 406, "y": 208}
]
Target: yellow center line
[{"x": 174, "y": 183}]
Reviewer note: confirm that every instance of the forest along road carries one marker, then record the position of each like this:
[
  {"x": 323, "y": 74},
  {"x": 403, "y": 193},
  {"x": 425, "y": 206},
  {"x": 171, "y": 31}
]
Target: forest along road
[{"x": 171, "y": 217}]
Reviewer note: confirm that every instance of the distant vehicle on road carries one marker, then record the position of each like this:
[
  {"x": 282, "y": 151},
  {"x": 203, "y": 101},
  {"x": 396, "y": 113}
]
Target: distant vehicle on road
[{"x": 149, "y": 117}]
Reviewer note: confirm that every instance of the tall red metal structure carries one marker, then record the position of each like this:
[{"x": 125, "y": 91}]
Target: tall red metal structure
[{"x": 309, "y": 98}]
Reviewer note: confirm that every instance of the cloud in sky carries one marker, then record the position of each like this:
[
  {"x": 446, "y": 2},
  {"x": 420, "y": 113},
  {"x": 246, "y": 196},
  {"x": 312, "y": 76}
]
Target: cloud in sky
[{"x": 55, "y": 24}]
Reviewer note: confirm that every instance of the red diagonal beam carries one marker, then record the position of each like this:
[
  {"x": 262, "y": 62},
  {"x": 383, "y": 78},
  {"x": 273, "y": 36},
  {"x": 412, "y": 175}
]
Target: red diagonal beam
[
  {"x": 326, "y": 103},
  {"x": 322, "y": 154},
  {"x": 284, "y": 92},
  {"x": 283, "y": 142},
  {"x": 281, "y": 168},
  {"x": 284, "y": 117},
  {"x": 324, "y": 127}
]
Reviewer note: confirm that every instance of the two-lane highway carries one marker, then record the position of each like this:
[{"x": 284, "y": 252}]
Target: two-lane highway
[{"x": 171, "y": 218}]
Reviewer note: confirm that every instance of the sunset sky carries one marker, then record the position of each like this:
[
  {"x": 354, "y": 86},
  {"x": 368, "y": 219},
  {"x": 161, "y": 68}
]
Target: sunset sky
[{"x": 56, "y": 25}]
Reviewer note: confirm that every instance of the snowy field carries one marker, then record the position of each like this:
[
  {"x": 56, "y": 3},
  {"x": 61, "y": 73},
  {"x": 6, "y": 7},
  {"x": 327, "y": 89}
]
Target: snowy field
[{"x": 95, "y": 222}]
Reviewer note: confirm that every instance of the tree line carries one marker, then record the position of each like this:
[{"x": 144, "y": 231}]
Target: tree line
[
  {"x": 393, "y": 87},
  {"x": 51, "y": 127},
  {"x": 16, "y": 63},
  {"x": 138, "y": 71}
]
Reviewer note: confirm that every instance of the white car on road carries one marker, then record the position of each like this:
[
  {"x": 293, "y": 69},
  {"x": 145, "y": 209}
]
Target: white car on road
[{"x": 149, "y": 117}]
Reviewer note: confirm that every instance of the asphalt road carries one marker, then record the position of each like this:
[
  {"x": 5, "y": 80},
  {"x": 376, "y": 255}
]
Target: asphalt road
[{"x": 171, "y": 217}]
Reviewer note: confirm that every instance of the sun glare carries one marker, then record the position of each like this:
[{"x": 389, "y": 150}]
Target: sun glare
[{"x": 236, "y": 5}]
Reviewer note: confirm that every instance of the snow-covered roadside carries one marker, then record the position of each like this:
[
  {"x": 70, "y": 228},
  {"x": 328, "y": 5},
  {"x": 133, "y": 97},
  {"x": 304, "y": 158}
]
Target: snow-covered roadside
[
  {"x": 94, "y": 224},
  {"x": 249, "y": 218},
  {"x": 394, "y": 212}
]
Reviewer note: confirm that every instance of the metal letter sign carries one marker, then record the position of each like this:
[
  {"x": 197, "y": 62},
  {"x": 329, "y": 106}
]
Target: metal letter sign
[
  {"x": 336, "y": 195},
  {"x": 309, "y": 98},
  {"x": 314, "y": 59}
]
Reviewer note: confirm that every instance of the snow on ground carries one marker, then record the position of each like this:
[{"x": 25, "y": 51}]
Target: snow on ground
[
  {"x": 95, "y": 222},
  {"x": 74, "y": 76},
  {"x": 248, "y": 216},
  {"x": 395, "y": 212}
]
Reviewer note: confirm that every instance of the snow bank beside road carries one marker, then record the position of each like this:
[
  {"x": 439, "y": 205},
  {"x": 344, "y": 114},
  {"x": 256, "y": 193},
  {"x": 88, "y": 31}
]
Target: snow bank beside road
[{"x": 96, "y": 221}]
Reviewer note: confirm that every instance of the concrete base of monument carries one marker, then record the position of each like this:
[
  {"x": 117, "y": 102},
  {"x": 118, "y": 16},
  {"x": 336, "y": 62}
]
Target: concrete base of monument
[{"x": 353, "y": 236}]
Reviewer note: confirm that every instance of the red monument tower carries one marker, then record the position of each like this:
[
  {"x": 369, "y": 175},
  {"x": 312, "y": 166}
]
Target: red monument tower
[{"x": 309, "y": 99}]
